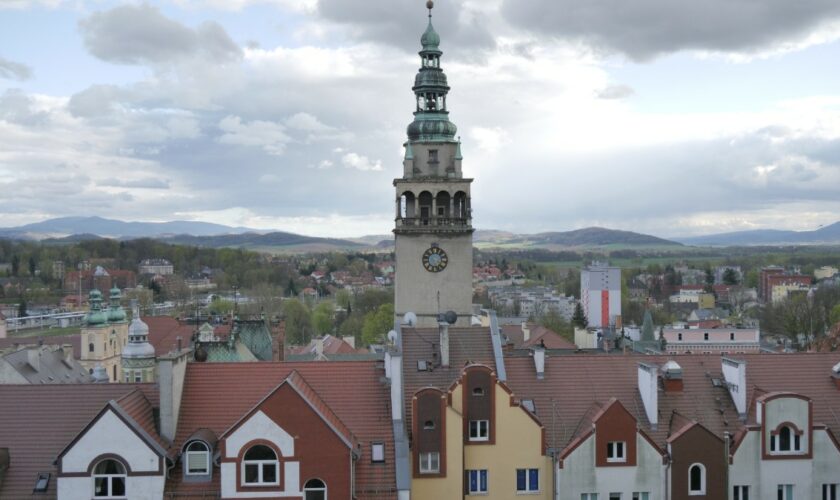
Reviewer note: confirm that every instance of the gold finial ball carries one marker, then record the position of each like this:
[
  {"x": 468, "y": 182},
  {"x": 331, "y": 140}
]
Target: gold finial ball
[{"x": 430, "y": 4}]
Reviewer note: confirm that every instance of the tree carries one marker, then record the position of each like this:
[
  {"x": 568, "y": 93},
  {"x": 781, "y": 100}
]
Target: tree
[
  {"x": 22, "y": 307},
  {"x": 730, "y": 277},
  {"x": 377, "y": 324},
  {"x": 15, "y": 265},
  {"x": 834, "y": 316},
  {"x": 298, "y": 322},
  {"x": 558, "y": 324},
  {"x": 291, "y": 288},
  {"x": 343, "y": 299},
  {"x": 33, "y": 266},
  {"x": 579, "y": 318},
  {"x": 322, "y": 318},
  {"x": 220, "y": 307}
]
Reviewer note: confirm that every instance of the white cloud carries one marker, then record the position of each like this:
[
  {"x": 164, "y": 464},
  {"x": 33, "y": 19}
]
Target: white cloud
[
  {"x": 353, "y": 160},
  {"x": 271, "y": 137}
]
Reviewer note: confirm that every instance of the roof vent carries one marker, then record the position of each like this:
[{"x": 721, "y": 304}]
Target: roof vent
[{"x": 835, "y": 374}]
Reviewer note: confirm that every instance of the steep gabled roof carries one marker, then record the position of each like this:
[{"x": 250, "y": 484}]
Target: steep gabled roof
[
  {"x": 217, "y": 395},
  {"x": 38, "y": 421}
]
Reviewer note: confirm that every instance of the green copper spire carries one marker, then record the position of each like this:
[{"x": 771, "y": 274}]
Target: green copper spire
[{"x": 431, "y": 119}]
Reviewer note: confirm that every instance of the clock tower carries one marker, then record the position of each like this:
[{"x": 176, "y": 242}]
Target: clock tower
[{"x": 433, "y": 225}]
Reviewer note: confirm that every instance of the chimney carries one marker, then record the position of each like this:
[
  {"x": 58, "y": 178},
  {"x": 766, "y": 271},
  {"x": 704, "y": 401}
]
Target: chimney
[
  {"x": 835, "y": 374},
  {"x": 351, "y": 340},
  {"x": 735, "y": 373},
  {"x": 179, "y": 341},
  {"x": 539, "y": 362},
  {"x": 526, "y": 332},
  {"x": 443, "y": 328},
  {"x": 171, "y": 370},
  {"x": 33, "y": 357},
  {"x": 672, "y": 376},
  {"x": 649, "y": 390},
  {"x": 319, "y": 347}
]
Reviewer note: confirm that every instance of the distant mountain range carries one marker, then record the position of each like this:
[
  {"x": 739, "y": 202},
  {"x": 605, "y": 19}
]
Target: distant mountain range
[
  {"x": 74, "y": 229},
  {"x": 825, "y": 235}
]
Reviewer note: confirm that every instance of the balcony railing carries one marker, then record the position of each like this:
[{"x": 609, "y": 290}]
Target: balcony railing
[{"x": 421, "y": 222}]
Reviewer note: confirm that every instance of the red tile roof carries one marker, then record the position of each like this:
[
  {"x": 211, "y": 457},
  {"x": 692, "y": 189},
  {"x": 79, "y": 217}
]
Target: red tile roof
[
  {"x": 217, "y": 395},
  {"x": 38, "y": 421},
  {"x": 332, "y": 345},
  {"x": 164, "y": 331},
  {"x": 573, "y": 383},
  {"x": 466, "y": 346},
  {"x": 550, "y": 338}
]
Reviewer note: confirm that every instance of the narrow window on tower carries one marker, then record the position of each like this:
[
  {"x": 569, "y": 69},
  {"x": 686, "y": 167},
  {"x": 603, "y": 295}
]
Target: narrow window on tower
[{"x": 433, "y": 156}]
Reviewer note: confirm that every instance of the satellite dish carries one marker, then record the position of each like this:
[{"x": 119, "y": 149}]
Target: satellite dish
[
  {"x": 392, "y": 337},
  {"x": 410, "y": 319},
  {"x": 451, "y": 317}
]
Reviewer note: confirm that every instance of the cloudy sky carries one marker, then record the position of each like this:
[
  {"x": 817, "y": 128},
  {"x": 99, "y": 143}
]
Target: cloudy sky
[{"x": 669, "y": 117}]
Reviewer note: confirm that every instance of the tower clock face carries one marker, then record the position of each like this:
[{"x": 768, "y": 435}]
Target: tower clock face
[{"x": 435, "y": 259}]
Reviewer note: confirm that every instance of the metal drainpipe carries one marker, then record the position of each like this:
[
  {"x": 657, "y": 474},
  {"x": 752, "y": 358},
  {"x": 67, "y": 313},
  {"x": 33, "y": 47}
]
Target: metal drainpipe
[
  {"x": 667, "y": 480},
  {"x": 726, "y": 460},
  {"x": 554, "y": 475}
]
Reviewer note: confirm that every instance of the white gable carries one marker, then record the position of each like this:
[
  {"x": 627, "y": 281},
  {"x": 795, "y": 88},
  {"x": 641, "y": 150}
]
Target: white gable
[
  {"x": 259, "y": 426},
  {"x": 110, "y": 435}
]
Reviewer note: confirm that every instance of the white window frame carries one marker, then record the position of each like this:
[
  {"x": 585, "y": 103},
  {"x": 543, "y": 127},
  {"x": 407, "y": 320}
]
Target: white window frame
[
  {"x": 588, "y": 496},
  {"x": 641, "y": 495},
  {"x": 377, "y": 452},
  {"x": 527, "y": 480},
  {"x": 109, "y": 479},
  {"x": 189, "y": 453},
  {"x": 741, "y": 492},
  {"x": 261, "y": 464},
  {"x": 429, "y": 462},
  {"x": 786, "y": 490},
  {"x": 613, "y": 448},
  {"x": 138, "y": 376},
  {"x": 478, "y": 426},
  {"x": 309, "y": 488},
  {"x": 831, "y": 491},
  {"x": 478, "y": 474},
  {"x": 702, "y": 490},
  {"x": 795, "y": 439}
]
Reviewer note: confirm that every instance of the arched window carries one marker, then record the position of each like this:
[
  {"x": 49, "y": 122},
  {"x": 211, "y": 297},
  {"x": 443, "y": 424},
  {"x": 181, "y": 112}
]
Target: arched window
[
  {"x": 260, "y": 466},
  {"x": 197, "y": 459},
  {"x": 90, "y": 347},
  {"x": 785, "y": 439},
  {"x": 697, "y": 479},
  {"x": 425, "y": 203},
  {"x": 109, "y": 479},
  {"x": 315, "y": 489}
]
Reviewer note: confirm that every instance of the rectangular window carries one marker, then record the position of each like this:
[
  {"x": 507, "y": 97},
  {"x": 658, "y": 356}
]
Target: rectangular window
[
  {"x": 615, "y": 451},
  {"x": 741, "y": 493},
  {"x": 138, "y": 376},
  {"x": 615, "y": 496},
  {"x": 377, "y": 452},
  {"x": 784, "y": 492},
  {"x": 641, "y": 495},
  {"x": 479, "y": 430},
  {"x": 198, "y": 463},
  {"x": 830, "y": 492},
  {"x": 732, "y": 336},
  {"x": 433, "y": 156},
  {"x": 679, "y": 337},
  {"x": 588, "y": 496},
  {"x": 476, "y": 481},
  {"x": 705, "y": 336},
  {"x": 430, "y": 462},
  {"x": 527, "y": 480}
]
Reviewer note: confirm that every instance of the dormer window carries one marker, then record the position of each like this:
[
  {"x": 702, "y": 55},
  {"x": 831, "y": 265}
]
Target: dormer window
[
  {"x": 429, "y": 425},
  {"x": 697, "y": 479},
  {"x": 479, "y": 430},
  {"x": 616, "y": 451},
  {"x": 197, "y": 459},
  {"x": 260, "y": 467},
  {"x": 109, "y": 479},
  {"x": 478, "y": 391},
  {"x": 786, "y": 439}
]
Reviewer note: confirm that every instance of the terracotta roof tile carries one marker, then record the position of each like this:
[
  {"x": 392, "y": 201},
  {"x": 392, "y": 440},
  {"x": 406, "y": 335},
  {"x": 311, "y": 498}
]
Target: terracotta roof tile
[
  {"x": 164, "y": 331},
  {"x": 573, "y": 383},
  {"x": 38, "y": 421},
  {"x": 217, "y": 395}
]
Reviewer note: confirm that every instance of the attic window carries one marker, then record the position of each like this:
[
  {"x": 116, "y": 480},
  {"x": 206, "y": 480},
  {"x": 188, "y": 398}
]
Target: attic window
[
  {"x": 377, "y": 452},
  {"x": 422, "y": 365},
  {"x": 42, "y": 483},
  {"x": 478, "y": 391},
  {"x": 529, "y": 405},
  {"x": 428, "y": 425}
]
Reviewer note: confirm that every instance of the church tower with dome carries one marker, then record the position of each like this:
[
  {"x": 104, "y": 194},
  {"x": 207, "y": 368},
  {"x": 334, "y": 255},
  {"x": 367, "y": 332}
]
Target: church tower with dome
[
  {"x": 138, "y": 357},
  {"x": 104, "y": 334},
  {"x": 433, "y": 225}
]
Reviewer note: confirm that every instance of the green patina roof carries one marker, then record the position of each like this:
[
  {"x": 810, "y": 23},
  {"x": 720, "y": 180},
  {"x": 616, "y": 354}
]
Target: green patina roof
[
  {"x": 431, "y": 125},
  {"x": 248, "y": 341}
]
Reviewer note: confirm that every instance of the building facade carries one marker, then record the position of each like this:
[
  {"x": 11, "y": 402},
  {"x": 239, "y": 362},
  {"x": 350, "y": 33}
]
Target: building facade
[{"x": 600, "y": 294}]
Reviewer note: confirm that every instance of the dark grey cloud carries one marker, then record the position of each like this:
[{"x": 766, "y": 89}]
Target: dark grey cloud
[
  {"x": 12, "y": 70},
  {"x": 616, "y": 92},
  {"x": 644, "y": 29},
  {"x": 141, "y": 34},
  {"x": 401, "y": 22}
]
